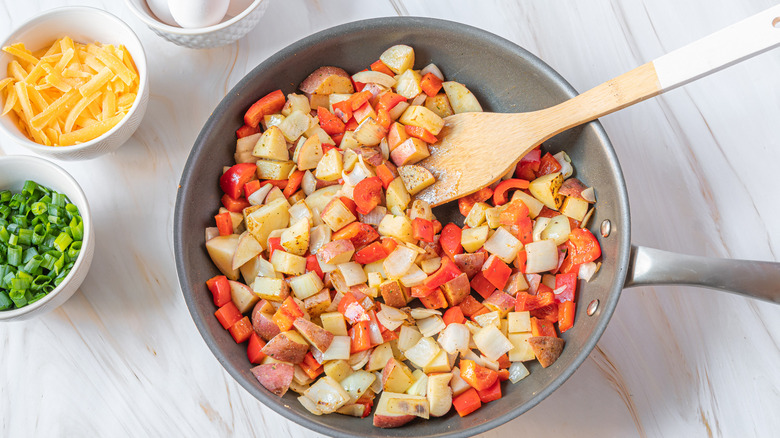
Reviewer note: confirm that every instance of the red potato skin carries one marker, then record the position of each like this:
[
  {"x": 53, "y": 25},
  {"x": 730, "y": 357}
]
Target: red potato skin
[
  {"x": 317, "y": 77},
  {"x": 572, "y": 187},
  {"x": 262, "y": 323},
  {"x": 500, "y": 301},
  {"x": 457, "y": 289},
  {"x": 317, "y": 303},
  {"x": 333, "y": 249},
  {"x": 314, "y": 334},
  {"x": 371, "y": 155},
  {"x": 392, "y": 294},
  {"x": 515, "y": 281},
  {"x": 391, "y": 421},
  {"x": 280, "y": 347},
  {"x": 275, "y": 377},
  {"x": 471, "y": 264}
]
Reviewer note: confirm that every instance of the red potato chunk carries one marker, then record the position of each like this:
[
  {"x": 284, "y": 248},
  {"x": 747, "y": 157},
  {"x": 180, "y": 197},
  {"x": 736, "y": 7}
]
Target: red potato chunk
[
  {"x": 262, "y": 321},
  {"x": 337, "y": 251},
  {"x": 457, "y": 289},
  {"x": 328, "y": 80},
  {"x": 275, "y": 377},
  {"x": 547, "y": 349},
  {"x": 287, "y": 347},
  {"x": 572, "y": 187},
  {"x": 314, "y": 334},
  {"x": 471, "y": 264}
]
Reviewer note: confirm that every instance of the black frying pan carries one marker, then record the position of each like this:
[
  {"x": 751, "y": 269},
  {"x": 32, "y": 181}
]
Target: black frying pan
[{"x": 505, "y": 78}]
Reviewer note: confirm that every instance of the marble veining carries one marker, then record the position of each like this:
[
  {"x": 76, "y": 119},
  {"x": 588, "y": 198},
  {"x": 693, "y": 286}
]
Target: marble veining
[{"x": 123, "y": 358}]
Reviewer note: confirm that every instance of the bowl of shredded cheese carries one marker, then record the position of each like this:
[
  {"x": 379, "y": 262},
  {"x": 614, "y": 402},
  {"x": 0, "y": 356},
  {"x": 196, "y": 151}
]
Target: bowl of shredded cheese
[{"x": 76, "y": 83}]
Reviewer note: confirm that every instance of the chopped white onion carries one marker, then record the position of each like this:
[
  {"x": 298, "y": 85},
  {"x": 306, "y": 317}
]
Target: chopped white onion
[
  {"x": 398, "y": 263},
  {"x": 423, "y": 352},
  {"x": 490, "y": 318},
  {"x": 309, "y": 405},
  {"x": 589, "y": 195},
  {"x": 327, "y": 394},
  {"x": 470, "y": 355},
  {"x": 374, "y": 333},
  {"x": 338, "y": 349},
  {"x": 390, "y": 317},
  {"x": 542, "y": 256},
  {"x": 588, "y": 270},
  {"x": 359, "y": 360},
  {"x": 455, "y": 338},
  {"x": 420, "y": 313},
  {"x": 384, "y": 148},
  {"x": 374, "y": 77},
  {"x": 565, "y": 162},
  {"x": 419, "y": 99},
  {"x": 539, "y": 225},
  {"x": 414, "y": 276},
  {"x": 431, "y": 326},
  {"x": 432, "y": 68},
  {"x": 374, "y": 217},
  {"x": 533, "y": 280},
  {"x": 319, "y": 236},
  {"x": 503, "y": 245},
  {"x": 490, "y": 364},
  {"x": 300, "y": 211},
  {"x": 258, "y": 196},
  {"x": 353, "y": 273},
  {"x": 408, "y": 337},
  {"x": 491, "y": 342},
  {"x": 309, "y": 183},
  {"x": 399, "y": 109},
  {"x": 517, "y": 372}
]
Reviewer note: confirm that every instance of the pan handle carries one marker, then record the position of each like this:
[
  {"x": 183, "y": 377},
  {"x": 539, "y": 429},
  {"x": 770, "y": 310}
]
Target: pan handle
[{"x": 649, "y": 266}]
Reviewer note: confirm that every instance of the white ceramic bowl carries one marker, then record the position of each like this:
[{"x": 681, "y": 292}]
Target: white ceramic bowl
[
  {"x": 84, "y": 25},
  {"x": 226, "y": 32},
  {"x": 14, "y": 171}
]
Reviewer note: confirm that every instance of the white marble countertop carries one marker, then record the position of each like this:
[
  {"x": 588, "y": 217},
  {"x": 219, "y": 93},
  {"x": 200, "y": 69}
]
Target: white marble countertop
[{"x": 123, "y": 358}]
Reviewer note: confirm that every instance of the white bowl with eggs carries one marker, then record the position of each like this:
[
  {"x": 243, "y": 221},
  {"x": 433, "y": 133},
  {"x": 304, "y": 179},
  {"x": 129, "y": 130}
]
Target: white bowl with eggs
[
  {"x": 239, "y": 18},
  {"x": 83, "y": 25}
]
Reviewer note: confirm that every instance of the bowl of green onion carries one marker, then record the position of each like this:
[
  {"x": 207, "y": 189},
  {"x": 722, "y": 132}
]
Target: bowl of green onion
[{"x": 46, "y": 237}]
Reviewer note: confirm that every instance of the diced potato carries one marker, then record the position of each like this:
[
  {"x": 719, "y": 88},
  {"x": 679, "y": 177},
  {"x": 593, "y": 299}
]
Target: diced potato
[
  {"x": 397, "y": 197},
  {"x": 545, "y": 188},
  {"x": 407, "y": 84},
  {"x": 318, "y": 200},
  {"x": 296, "y": 102},
  {"x": 267, "y": 218},
  {"x": 274, "y": 169},
  {"x": 440, "y": 105},
  {"x": 519, "y": 322},
  {"x": 247, "y": 248},
  {"x": 521, "y": 350},
  {"x": 272, "y": 145},
  {"x": 439, "y": 394},
  {"x": 411, "y": 151},
  {"x": 415, "y": 178},
  {"x": 294, "y": 125},
  {"x": 272, "y": 120},
  {"x": 420, "y": 385},
  {"x": 396, "y": 135},
  {"x": 318, "y": 303},
  {"x": 287, "y": 263},
  {"x": 327, "y": 80},
  {"x": 558, "y": 229},
  {"x": 461, "y": 99},
  {"x": 309, "y": 153},
  {"x": 421, "y": 209},
  {"x": 348, "y": 141},
  {"x": 295, "y": 239},
  {"x": 533, "y": 204},
  {"x": 472, "y": 239},
  {"x": 335, "y": 323},
  {"x": 336, "y": 215},
  {"x": 398, "y": 58},
  {"x": 369, "y": 132},
  {"x": 350, "y": 159},
  {"x": 330, "y": 166},
  {"x": 338, "y": 370},
  {"x": 244, "y": 148},
  {"x": 575, "y": 208},
  {"x": 271, "y": 289},
  {"x": 399, "y": 227},
  {"x": 381, "y": 354},
  {"x": 476, "y": 216},
  {"x": 396, "y": 376},
  {"x": 421, "y": 116}
]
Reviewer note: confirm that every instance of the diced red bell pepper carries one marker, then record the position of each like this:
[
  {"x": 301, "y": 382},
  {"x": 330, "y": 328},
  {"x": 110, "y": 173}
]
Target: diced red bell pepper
[
  {"x": 503, "y": 361},
  {"x": 241, "y": 330},
  {"x": 286, "y": 314},
  {"x": 345, "y": 302},
  {"x": 566, "y": 311},
  {"x": 421, "y": 133},
  {"x": 389, "y": 244},
  {"x": 246, "y": 131},
  {"x": 358, "y": 233},
  {"x": 355, "y": 312},
  {"x": 569, "y": 281},
  {"x": 503, "y": 375},
  {"x": 420, "y": 291},
  {"x": 491, "y": 393},
  {"x": 383, "y": 118},
  {"x": 310, "y": 366},
  {"x": 380, "y": 66},
  {"x": 430, "y": 84},
  {"x": 500, "y": 195},
  {"x": 526, "y": 302},
  {"x": 343, "y": 110},
  {"x": 454, "y": 315},
  {"x": 482, "y": 285},
  {"x": 450, "y": 240},
  {"x": 389, "y": 100},
  {"x": 360, "y": 339},
  {"x": 232, "y": 182},
  {"x": 435, "y": 300},
  {"x": 251, "y": 187},
  {"x": 224, "y": 223},
  {"x": 220, "y": 289},
  {"x": 293, "y": 183},
  {"x": 271, "y": 103},
  {"x": 529, "y": 165},
  {"x": 497, "y": 272},
  {"x": 359, "y": 99},
  {"x": 541, "y": 327},
  {"x": 234, "y": 205},
  {"x": 384, "y": 173},
  {"x": 471, "y": 307},
  {"x": 330, "y": 123},
  {"x": 479, "y": 377},
  {"x": 547, "y": 313},
  {"x": 228, "y": 315},
  {"x": 467, "y": 402},
  {"x": 274, "y": 244},
  {"x": 422, "y": 229},
  {"x": 466, "y": 203},
  {"x": 521, "y": 260},
  {"x": 368, "y": 194},
  {"x": 312, "y": 264},
  {"x": 583, "y": 246},
  {"x": 350, "y": 204},
  {"x": 254, "y": 350},
  {"x": 371, "y": 253},
  {"x": 445, "y": 273},
  {"x": 548, "y": 165}
]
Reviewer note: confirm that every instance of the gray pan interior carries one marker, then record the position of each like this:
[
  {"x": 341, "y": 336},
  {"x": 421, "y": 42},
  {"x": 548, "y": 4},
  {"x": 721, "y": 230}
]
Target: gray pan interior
[{"x": 505, "y": 78}]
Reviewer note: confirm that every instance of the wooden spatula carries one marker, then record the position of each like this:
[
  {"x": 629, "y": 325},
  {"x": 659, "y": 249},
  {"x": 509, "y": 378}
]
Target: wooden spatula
[{"x": 476, "y": 149}]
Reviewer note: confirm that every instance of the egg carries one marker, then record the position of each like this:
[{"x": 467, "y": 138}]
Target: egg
[
  {"x": 160, "y": 10},
  {"x": 198, "y": 13}
]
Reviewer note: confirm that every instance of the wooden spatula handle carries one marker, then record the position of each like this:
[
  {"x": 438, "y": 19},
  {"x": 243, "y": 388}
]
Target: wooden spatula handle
[{"x": 749, "y": 37}]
